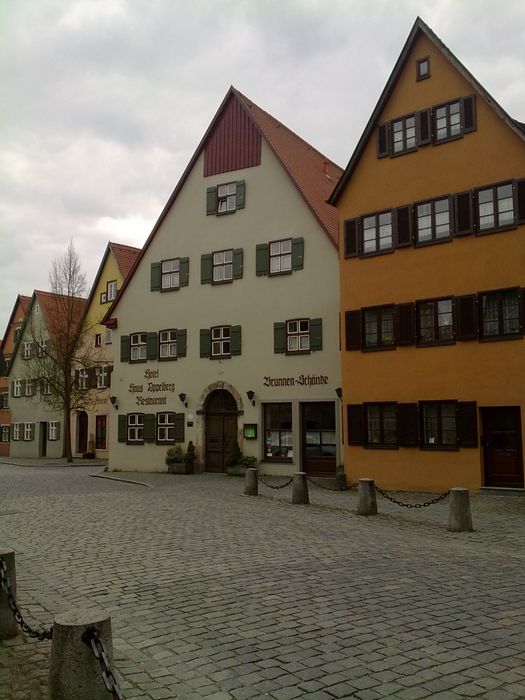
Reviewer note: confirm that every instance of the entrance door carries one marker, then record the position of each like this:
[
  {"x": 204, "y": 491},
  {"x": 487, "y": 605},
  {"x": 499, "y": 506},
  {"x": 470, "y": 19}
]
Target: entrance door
[
  {"x": 221, "y": 428},
  {"x": 318, "y": 434},
  {"x": 82, "y": 432},
  {"x": 43, "y": 439},
  {"x": 502, "y": 451}
]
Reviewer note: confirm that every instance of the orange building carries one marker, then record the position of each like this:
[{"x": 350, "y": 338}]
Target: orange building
[{"x": 432, "y": 272}]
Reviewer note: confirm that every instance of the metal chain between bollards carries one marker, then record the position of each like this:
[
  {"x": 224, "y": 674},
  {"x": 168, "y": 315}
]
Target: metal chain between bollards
[
  {"x": 92, "y": 638},
  {"x": 323, "y": 486},
  {"x": 273, "y": 486},
  {"x": 5, "y": 584},
  {"x": 425, "y": 504}
]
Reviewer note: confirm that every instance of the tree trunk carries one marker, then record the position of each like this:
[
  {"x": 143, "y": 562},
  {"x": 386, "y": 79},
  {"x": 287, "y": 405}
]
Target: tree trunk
[{"x": 68, "y": 454}]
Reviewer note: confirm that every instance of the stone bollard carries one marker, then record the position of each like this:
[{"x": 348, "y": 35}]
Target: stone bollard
[
  {"x": 367, "y": 504},
  {"x": 8, "y": 626},
  {"x": 74, "y": 672},
  {"x": 251, "y": 485},
  {"x": 300, "y": 488},
  {"x": 459, "y": 516}
]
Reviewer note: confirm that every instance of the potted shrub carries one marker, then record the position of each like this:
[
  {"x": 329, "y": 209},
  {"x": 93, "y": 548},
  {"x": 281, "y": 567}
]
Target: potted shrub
[
  {"x": 236, "y": 462},
  {"x": 189, "y": 458},
  {"x": 175, "y": 460}
]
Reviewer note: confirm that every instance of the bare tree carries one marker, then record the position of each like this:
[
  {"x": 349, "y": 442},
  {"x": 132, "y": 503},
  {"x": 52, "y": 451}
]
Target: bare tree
[{"x": 61, "y": 356}]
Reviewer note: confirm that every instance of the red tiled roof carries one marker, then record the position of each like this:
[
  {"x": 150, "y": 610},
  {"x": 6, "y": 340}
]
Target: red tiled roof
[
  {"x": 125, "y": 256},
  {"x": 55, "y": 309}
]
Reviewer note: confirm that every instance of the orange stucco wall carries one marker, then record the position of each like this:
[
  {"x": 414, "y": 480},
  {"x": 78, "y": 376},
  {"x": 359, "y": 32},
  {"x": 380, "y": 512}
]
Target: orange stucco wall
[{"x": 493, "y": 374}]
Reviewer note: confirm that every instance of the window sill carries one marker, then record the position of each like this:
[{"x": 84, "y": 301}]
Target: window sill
[
  {"x": 381, "y": 447},
  {"x": 434, "y": 241},
  {"x": 434, "y": 343},
  {"x": 438, "y": 142},
  {"x": 220, "y": 357},
  {"x": 375, "y": 253},
  {"x": 379, "y": 348},
  {"x": 134, "y": 443},
  {"x": 493, "y": 339},
  {"x": 279, "y": 274},
  {"x": 439, "y": 448},
  {"x": 499, "y": 229},
  {"x": 277, "y": 460},
  {"x": 225, "y": 213},
  {"x": 167, "y": 359},
  {"x": 137, "y": 362},
  {"x": 169, "y": 289},
  {"x": 404, "y": 152},
  {"x": 216, "y": 283}
]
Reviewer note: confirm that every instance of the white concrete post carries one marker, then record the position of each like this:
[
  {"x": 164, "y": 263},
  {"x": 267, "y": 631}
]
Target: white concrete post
[
  {"x": 251, "y": 485},
  {"x": 300, "y": 488},
  {"x": 459, "y": 515},
  {"x": 367, "y": 503},
  {"x": 8, "y": 625}
]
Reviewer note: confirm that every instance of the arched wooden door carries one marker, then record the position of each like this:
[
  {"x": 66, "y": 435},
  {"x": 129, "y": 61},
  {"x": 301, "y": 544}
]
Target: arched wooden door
[{"x": 221, "y": 428}]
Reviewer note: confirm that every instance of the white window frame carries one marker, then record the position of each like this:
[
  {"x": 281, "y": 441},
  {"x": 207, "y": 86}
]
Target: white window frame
[
  {"x": 101, "y": 374},
  {"x": 30, "y": 387},
  {"x": 16, "y": 431},
  {"x": 109, "y": 336},
  {"x": 135, "y": 427},
  {"x": 27, "y": 350},
  {"x": 168, "y": 344},
  {"x": 4, "y": 433},
  {"x": 298, "y": 335},
  {"x": 222, "y": 265},
  {"x": 170, "y": 274},
  {"x": 83, "y": 375},
  {"x": 280, "y": 256},
  {"x": 226, "y": 197},
  {"x": 138, "y": 347},
  {"x": 166, "y": 427},
  {"x": 221, "y": 341},
  {"x": 27, "y": 431},
  {"x": 111, "y": 293},
  {"x": 52, "y": 428},
  {"x": 17, "y": 388},
  {"x": 46, "y": 387}
]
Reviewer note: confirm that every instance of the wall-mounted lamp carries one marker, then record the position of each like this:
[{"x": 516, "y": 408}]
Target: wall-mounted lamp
[
  {"x": 114, "y": 401},
  {"x": 250, "y": 394},
  {"x": 182, "y": 397},
  {"x": 339, "y": 392}
]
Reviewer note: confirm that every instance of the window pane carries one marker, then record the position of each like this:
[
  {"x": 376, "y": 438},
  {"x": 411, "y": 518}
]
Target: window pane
[
  {"x": 373, "y": 425},
  {"x": 505, "y": 205},
  {"x": 489, "y": 311},
  {"x": 445, "y": 327},
  {"x": 448, "y": 424},
  {"x": 510, "y": 311},
  {"x": 286, "y": 263},
  {"x": 371, "y": 334},
  {"x": 275, "y": 248},
  {"x": 387, "y": 327},
  {"x": 430, "y": 425},
  {"x": 275, "y": 264},
  {"x": 426, "y": 321}
]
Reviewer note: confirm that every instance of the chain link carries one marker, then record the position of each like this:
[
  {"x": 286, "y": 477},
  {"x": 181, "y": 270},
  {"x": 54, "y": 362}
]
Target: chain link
[
  {"x": 91, "y": 637},
  {"x": 323, "y": 486},
  {"x": 5, "y": 584},
  {"x": 273, "y": 486},
  {"x": 425, "y": 504}
]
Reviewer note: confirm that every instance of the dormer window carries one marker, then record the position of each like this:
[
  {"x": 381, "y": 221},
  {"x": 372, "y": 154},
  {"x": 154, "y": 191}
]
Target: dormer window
[{"x": 423, "y": 68}]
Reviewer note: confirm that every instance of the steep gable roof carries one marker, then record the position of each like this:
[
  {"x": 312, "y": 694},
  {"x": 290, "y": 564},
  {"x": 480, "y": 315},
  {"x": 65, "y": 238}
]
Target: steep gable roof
[
  {"x": 125, "y": 255},
  {"x": 418, "y": 28},
  {"x": 21, "y": 301},
  {"x": 312, "y": 173}
]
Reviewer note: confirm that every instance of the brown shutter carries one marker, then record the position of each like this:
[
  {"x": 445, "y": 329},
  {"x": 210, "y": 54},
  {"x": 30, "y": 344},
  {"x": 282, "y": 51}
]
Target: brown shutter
[
  {"x": 423, "y": 127},
  {"x": 468, "y": 108},
  {"x": 402, "y": 217},
  {"x": 520, "y": 201},
  {"x": 351, "y": 240},
  {"x": 355, "y": 424},
  {"x": 404, "y": 317},
  {"x": 467, "y": 423},
  {"x": 382, "y": 140},
  {"x": 353, "y": 329},
  {"x": 407, "y": 425},
  {"x": 463, "y": 214},
  {"x": 467, "y": 317}
]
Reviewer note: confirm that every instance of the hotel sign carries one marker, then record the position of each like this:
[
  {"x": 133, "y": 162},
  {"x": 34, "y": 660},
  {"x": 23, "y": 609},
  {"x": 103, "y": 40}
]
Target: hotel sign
[{"x": 151, "y": 387}]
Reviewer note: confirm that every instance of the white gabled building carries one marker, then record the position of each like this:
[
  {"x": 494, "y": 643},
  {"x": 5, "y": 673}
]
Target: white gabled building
[{"x": 228, "y": 323}]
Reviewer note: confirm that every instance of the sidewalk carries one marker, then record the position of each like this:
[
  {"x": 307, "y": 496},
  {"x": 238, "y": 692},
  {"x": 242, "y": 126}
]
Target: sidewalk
[{"x": 52, "y": 462}]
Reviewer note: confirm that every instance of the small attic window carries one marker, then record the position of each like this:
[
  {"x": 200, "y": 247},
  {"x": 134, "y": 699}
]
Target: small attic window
[{"x": 423, "y": 68}]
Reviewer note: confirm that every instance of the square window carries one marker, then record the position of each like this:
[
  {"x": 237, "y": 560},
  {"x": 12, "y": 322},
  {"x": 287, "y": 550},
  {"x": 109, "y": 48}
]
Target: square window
[
  {"x": 168, "y": 345},
  {"x": 223, "y": 266},
  {"x": 170, "y": 273},
  {"x": 281, "y": 256},
  {"x": 227, "y": 198},
  {"x": 379, "y": 327},
  {"x": 438, "y": 424},
  {"x": 298, "y": 335},
  {"x": 500, "y": 314},
  {"x": 376, "y": 233}
]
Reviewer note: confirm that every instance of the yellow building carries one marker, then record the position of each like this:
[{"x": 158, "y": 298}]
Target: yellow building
[{"x": 432, "y": 271}]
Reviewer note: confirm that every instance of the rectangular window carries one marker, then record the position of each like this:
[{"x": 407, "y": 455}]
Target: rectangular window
[
  {"x": 27, "y": 350},
  {"x": 438, "y": 424},
  {"x": 46, "y": 388},
  {"x": 377, "y": 232},
  {"x": 223, "y": 266},
  {"x": 98, "y": 340},
  {"x": 168, "y": 345},
  {"x": 100, "y": 432},
  {"x": 170, "y": 277},
  {"x": 52, "y": 430},
  {"x": 103, "y": 297},
  {"x": 298, "y": 335},
  {"x": 221, "y": 341},
  {"x": 281, "y": 256},
  {"x": 4, "y": 401},
  {"x": 83, "y": 378},
  {"x": 278, "y": 434},
  {"x": 423, "y": 68},
  {"x": 101, "y": 374},
  {"x": 111, "y": 290},
  {"x": 17, "y": 333},
  {"x": 42, "y": 348},
  {"x": 495, "y": 208},
  {"x": 378, "y": 327},
  {"x": 109, "y": 336},
  {"x": 30, "y": 387},
  {"x": 17, "y": 387},
  {"x": 433, "y": 220},
  {"x": 381, "y": 425},
  {"x": 500, "y": 314},
  {"x": 135, "y": 427},
  {"x": 138, "y": 347},
  {"x": 5, "y": 433},
  {"x": 227, "y": 198},
  {"x": 403, "y": 133},
  {"x": 165, "y": 427},
  {"x": 447, "y": 121},
  {"x": 16, "y": 431},
  {"x": 434, "y": 321},
  {"x": 28, "y": 431}
]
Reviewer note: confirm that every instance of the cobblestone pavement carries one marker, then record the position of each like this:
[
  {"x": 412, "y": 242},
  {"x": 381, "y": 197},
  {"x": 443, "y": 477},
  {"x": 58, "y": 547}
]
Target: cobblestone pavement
[{"x": 217, "y": 595}]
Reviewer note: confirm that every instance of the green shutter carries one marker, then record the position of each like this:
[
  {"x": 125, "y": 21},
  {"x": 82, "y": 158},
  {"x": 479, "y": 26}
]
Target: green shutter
[
  {"x": 206, "y": 265},
  {"x": 109, "y": 372},
  {"x": 236, "y": 340},
  {"x": 240, "y": 191},
  {"x": 184, "y": 272},
  {"x": 155, "y": 276},
  {"x": 58, "y": 432},
  {"x": 297, "y": 253},
  {"x": 181, "y": 342},
  {"x": 124, "y": 348},
  {"x": 179, "y": 427},
  {"x": 122, "y": 428},
  {"x": 149, "y": 427},
  {"x": 261, "y": 259},
  {"x": 151, "y": 346},
  {"x": 92, "y": 378},
  {"x": 279, "y": 337},
  {"x": 237, "y": 263},
  {"x": 205, "y": 342},
  {"x": 211, "y": 201},
  {"x": 32, "y": 431},
  {"x": 316, "y": 334}
]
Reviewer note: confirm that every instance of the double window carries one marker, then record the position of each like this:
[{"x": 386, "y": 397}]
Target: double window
[
  {"x": 170, "y": 274},
  {"x": 168, "y": 345},
  {"x": 438, "y": 424},
  {"x": 137, "y": 343},
  {"x": 166, "y": 427},
  {"x": 225, "y": 198},
  {"x": 378, "y": 327},
  {"x": 298, "y": 335},
  {"x": 435, "y": 321},
  {"x": 279, "y": 257},
  {"x": 101, "y": 374},
  {"x": 135, "y": 427},
  {"x": 403, "y": 134},
  {"x": 433, "y": 220},
  {"x": 53, "y": 430},
  {"x": 377, "y": 232},
  {"x": 381, "y": 424},
  {"x": 500, "y": 314},
  {"x": 278, "y": 436},
  {"x": 221, "y": 341},
  {"x": 139, "y": 428},
  {"x": 495, "y": 207}
]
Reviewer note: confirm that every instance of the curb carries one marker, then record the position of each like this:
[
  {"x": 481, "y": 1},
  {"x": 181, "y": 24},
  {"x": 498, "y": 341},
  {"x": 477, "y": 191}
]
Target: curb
[{"x": 124, "y": 481}]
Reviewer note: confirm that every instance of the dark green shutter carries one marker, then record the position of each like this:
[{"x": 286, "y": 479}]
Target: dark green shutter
[
  {"x": 211, "y": 201},
  {"x": 467, "y": 423},
  {"x": 423, "y": 127},
  {"x": 463, "y": 214},
  {"x": 124, "y": 348},
  {"x": 316, "y": 334},
  {"x": 206, "y": 268},
  {"x": 261, "y": 259},
  {"x": 205, "y": 342},
  {"x": 240, "y": 192},
  {"x": 155, "y": 276},
  {"x": 179, "y": 427},
  {"x": 468, "y": 114},
  {"x": 355, "y": 424},
  {"x": 181, "y": 342},
  {"x": 297, "y": 253},
  {"x": 382, "y": 140},
  {"x": 353, "y": 329},
  {"x": 236, "y": 340},
  {"x": 237, "y": 263},
  {"x": 407, "y": 425},
  {"x": 279, "y": 337},
  {"x": 92, "y": 378},
  {"x": 151, "y": 346},
  {"x": 122, "y": 428},
  {"x": 149, "y": 427},
  {"x": 351, "y": 238},
  {"x": 58, "y": 432},
  {"x": 109, "y": 372},
  {"x": 184, "y": 272}
]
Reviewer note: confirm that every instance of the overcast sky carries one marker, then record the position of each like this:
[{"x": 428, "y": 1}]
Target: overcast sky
[{"x": 104, "y": 101}]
